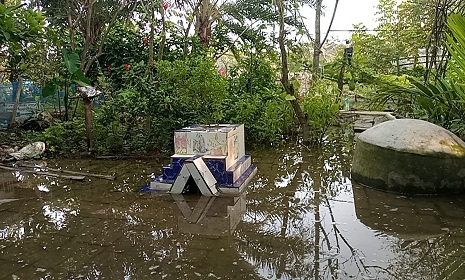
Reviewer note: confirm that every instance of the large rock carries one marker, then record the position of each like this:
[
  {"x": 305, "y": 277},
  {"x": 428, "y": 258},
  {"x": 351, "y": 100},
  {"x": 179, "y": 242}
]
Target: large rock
[{"x": 410, "y": 156}]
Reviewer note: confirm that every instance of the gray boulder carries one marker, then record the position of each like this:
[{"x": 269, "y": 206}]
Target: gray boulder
[{"x": 410, "y": 156}]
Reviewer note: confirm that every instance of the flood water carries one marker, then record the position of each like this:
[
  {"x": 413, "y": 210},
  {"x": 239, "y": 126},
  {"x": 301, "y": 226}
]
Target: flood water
[{"x": 301, "y": 218}]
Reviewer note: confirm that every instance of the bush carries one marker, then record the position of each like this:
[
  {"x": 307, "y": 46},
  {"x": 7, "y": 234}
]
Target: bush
[
  {"x": 120, "y": 124},
  {"x": 65, "y": 138},
  {"x": 144, "y": 115},
  {"x": 188, "y": 92},
  {"x": 257, "y": 100},
  {"x": 322, "y": 109}
]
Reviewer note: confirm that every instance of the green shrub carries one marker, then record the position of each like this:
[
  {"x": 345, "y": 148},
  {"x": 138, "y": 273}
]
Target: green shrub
[
  {"x": 321, "y": 108},
  {"x": 120, "y": 124},
  {"x": 257, "y": 100},
  {"x": 65, "y": 138},
  {"x": 188, "y": 92},
  {"x": 143, "y": 115}
]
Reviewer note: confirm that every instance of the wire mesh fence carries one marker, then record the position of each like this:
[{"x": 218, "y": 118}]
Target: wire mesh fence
[{"x": 29, "y": 101}]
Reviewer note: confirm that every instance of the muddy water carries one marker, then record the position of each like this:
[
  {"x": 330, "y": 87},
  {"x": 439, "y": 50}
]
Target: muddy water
[{"x": 302, "y": 218}]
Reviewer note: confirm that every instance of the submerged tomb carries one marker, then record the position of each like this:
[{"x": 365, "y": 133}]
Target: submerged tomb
[
  {"x": 208, "y": 158},
  {"x": 410, "y": 156}
]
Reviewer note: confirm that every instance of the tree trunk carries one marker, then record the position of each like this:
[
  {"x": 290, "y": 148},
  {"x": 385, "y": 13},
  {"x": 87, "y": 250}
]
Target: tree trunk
[
  {"x": 151, "y": 41},
  {"x": 66, "y": 101},
  {"x": 186, "y": 36},
  {"x": 330, "y": 23},
  {"x": 15, "y": 106},
  {"x": 340, "y": 78},
  {"x": 288, "y": 87},
  {"x": 317, "y": 188},
  {"x": 161, "y": 47},
  {"x": 206, "y": 15},
  {"x": 317, "y": 43},
  {"x": 88, "y": 115}
]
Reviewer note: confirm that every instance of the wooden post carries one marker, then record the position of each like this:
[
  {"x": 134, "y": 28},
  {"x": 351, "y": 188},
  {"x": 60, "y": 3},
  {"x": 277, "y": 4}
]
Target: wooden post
[
  {"x": 340, "y": 78},
  {"x": 88, "y": 116}
]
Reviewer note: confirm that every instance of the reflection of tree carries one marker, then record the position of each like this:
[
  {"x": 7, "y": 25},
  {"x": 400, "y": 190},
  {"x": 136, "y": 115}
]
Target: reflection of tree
[
  {"x": 286, "y": 236},
  {"x": 441, "y": 257},
  {"x": 277, "y": 235},
  {"x": 356, "y": 257},
  {"x": 292, "y": 229},
  {"x": 129, "y": 236},
  {"x": 293, "y": 232}
]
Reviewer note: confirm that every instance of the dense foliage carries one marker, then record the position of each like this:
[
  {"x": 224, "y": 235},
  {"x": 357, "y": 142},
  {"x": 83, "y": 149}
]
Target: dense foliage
[
  {"x": 441, "y": 102},
  {"x": 162, "y": 66},
  {"x": 19, "y": 29},
  {"x": 322, "y": 109}
]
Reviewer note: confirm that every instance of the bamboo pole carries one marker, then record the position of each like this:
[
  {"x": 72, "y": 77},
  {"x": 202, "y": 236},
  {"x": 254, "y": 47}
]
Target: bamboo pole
[
  {"x": 76, "y": 178},
  {"x": 107, "y": 177}
]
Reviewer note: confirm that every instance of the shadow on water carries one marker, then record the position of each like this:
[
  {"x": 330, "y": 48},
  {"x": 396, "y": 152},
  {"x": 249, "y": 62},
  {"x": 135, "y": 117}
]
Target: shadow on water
[{"x": 301, "y": 218}]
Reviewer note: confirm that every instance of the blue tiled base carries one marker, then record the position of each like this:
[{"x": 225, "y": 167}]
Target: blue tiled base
[
  {"x": 240, "y": 185},
  {"x": 170, "y": 172},
  {"x": 231, "y": 180},
  {"x": 246, "y": 175},
  {"x": 216, "y": 167},
  {"x": 145, "y": 188}
]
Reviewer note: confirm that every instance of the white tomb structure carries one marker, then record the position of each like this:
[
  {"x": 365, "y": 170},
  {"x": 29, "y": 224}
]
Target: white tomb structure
[{"x": 209, "y": 157}]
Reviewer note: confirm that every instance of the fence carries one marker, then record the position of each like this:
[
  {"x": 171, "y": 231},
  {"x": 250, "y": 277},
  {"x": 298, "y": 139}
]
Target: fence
[{"x": 29, "y": 101}]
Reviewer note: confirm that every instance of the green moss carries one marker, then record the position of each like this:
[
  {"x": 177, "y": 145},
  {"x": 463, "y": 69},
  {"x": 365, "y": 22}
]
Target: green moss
[
  {"x": 454, "y": 147},
  {"x": 407, "y": 172}
]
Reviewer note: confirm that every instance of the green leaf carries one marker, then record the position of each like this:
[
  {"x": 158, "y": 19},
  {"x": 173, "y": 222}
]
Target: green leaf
[
  {"x": 289, "y": 97},
  {"x": 11, "y": 8},
  {"x": 6, "y": 35},
  {"x": 80, "y": 78},
  {"x": 71, "y": 60},
  {"x": 352, "y": 84},
  {"x": 422, "y": 89},
  {"x": 456, "y": 43},
  {"x": 296, "y": 84},
  {"x": 50, "y": 88}
]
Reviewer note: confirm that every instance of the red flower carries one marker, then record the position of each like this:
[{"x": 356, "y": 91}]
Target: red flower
[
  {"x": 127, "y": 67},
  {"x": 165, "y": 6},
  {"x": 222, "y": 72},
  {"x": 109, "y": 68},
  {"x": 145, "y": 41}
]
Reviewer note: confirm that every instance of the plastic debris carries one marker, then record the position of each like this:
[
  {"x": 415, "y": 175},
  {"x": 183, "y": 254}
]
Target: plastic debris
[{"x": 30, "y": 151}]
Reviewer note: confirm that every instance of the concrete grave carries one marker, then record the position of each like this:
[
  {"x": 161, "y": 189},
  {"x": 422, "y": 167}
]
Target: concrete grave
[
  {"x": 410, "y": 156},
  {"x": 211, "y": 156}
]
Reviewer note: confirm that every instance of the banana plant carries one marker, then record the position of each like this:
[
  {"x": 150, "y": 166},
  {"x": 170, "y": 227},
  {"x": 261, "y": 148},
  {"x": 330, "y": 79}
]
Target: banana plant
[{"x": 73, "y": 76}]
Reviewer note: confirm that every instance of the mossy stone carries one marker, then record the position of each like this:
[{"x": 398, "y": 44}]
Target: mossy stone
[{"x": 411, "y": 157}]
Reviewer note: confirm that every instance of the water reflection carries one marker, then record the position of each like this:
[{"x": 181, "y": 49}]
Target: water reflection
[
  {"x": 430, "y": 231},
  {"x": 301, "y": 219},
  {"x": 7, "y": 181},
  {"x": 408, "y": 217},
  {"x": 209, "y": 215},
  {"x": 290, "y": 227}
]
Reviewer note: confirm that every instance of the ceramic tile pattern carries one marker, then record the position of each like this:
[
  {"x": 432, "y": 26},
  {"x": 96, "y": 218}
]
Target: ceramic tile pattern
[{"x": 223, "y": 151}]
